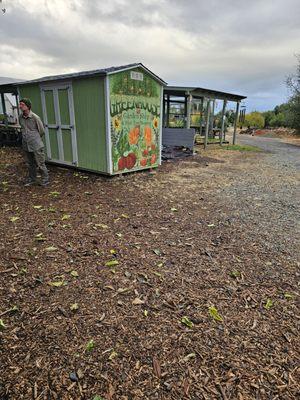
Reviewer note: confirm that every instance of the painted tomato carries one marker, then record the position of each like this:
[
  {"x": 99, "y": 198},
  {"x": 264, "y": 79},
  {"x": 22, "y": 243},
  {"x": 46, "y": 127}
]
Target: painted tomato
[
  {"x": 130, "y": 160},
  {"x": 153, "y": 147},
  {"x": 145, "y": 152},
  {"x": 153, "y": 159},
  {"x": 122, "y": 163},
  {"x": 143, "y": 162}
]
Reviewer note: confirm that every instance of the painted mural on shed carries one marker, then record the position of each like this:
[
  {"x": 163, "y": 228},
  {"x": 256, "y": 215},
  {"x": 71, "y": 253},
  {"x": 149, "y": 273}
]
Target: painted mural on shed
[{"x": 135, "y": 110}]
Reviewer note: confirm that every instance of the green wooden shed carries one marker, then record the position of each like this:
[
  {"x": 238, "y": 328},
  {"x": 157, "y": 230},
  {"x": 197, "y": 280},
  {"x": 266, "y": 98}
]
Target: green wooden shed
[{"x": 107, "y": 120}]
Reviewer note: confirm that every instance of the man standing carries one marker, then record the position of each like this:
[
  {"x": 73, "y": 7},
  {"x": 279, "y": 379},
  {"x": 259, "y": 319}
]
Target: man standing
[{"x": 32, "y": 131}]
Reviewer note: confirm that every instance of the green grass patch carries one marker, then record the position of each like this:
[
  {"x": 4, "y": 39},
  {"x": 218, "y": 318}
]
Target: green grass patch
[{"x": 239, "y": 147}]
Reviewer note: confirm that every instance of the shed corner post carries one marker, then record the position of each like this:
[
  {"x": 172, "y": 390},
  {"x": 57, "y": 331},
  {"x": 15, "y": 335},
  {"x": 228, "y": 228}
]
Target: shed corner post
[
  {"x": 206, "y": 123},
  {"x": 235, "y": 122},
  {"x": 161, "y": 122},
  {"x": 108, "y": 126},
  {"x": 222, "y": 138}
]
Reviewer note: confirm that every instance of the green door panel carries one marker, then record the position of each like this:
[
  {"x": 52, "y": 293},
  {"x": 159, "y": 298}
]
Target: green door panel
[
  {"x": 53, "y": 143},
  {"x": 63, "y": 99},
  {"x": 67, "y": 144},
  {"x": 50, "y": 107}
]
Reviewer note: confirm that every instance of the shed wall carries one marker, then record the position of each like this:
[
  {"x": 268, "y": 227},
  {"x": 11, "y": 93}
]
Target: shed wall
[
  {"x": 34, "y": 94},
  {"x": 89, "y": 107}
]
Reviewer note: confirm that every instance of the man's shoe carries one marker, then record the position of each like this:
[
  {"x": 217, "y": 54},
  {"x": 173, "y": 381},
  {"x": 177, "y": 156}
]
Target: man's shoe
[
  {"x": 44, "y": 183},
  {"x": 29, "y": 182}
]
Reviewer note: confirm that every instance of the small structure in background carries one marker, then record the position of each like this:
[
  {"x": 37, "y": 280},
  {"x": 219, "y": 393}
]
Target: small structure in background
[
  {"x": 9, "y": 114},
  {"x": 194, "y": 107}
]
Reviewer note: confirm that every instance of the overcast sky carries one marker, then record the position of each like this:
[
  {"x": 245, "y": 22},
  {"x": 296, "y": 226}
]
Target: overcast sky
[{"x": 245, "y": 47}]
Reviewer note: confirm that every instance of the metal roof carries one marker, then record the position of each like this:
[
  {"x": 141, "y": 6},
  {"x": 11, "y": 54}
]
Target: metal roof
[
  {"x": 202, "y": 92},
  {"x": 95, "y": 72}
]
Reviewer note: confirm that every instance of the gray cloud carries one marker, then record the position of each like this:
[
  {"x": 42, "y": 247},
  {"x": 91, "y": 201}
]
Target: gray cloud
[{"x": 238, "y": 46}]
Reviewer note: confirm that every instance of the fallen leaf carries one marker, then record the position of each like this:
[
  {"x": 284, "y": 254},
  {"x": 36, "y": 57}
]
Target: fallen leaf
[
  {"x": 235, "y": 274},
  {"x": 174, "y": 209},
  {"x": 137, "y": 301},
  {"x": 156, "y": 367},
  {"x": 186, "y": 321},
  {"x": 90, "y": 345},
  {"x": 57, "y": 283},
  {"x": 65, "y": 216},
  {"x": 103, "y": 226},
  {"x": 111, "y": 263},
  {"x": 2, "y": 325},
  {"x": 74, "y": 307},
  {"x": 268, "y": 304},
  {"x": 189, "y": 356},
  {"x": 157, "y": 252},
  {"x": 51, "y": 248},
  {"x": 13, "y": 219},
  {"x": 40, "y": 238},
  {"x": 113, "y": 355},
  {"x": 213, "y": 312},
  {"x": 37, "y": 207},
  {"x": 54, "y": 194},
  {"x": 74, "y": 274}
]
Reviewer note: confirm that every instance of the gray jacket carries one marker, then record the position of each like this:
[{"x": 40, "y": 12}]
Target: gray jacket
[{"x": 32, "y": 131}]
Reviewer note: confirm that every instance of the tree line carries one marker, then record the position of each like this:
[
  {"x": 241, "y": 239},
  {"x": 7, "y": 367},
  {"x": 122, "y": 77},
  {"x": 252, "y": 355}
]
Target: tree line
[{"x": 284, "y": 115}]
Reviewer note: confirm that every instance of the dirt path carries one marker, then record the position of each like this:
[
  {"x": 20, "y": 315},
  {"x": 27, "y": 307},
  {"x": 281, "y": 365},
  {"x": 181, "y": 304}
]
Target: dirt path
[{"x": 186, "y": 281}]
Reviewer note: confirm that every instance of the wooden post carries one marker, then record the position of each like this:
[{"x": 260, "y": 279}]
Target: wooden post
[
  {"x": 207, "y": 124},
  {"x": 223, "y": 122},
  {"x": 168, "y": 111},
  {"x": 212, "y": 117},
  {"x": 18, "y": 110},
  {"x": 189, "y": 106},
  {"x": 235, "y": 121},
  {"x": 201, "y": 115},
  {"x": 164, "y": 111}
]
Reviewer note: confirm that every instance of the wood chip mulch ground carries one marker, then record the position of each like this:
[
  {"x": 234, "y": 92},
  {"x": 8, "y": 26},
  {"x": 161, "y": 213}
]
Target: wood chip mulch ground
[{"x": 176, "y": 284}]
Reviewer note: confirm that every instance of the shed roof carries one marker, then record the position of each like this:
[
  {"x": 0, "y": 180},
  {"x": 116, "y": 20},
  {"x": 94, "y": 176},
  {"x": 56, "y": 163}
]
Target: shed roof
[
  {"x": 95, "y": 72},
  {"x": 202, "y": 92}
]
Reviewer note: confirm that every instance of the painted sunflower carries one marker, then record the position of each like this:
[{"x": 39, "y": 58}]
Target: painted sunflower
[
  {"x": 155, "y": 123},
  {"x": 117, "y": 124}
]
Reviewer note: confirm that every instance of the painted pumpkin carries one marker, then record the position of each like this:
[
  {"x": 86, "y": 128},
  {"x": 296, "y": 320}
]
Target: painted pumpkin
[
  {"x": 148, "y": 135},
  {"x": 133, "y": 135}
]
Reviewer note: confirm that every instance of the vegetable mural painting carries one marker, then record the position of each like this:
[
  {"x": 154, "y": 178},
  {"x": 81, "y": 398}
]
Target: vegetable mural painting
[{"x": 135, "y": 120}]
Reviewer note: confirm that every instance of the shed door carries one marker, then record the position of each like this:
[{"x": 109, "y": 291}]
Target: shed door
[{"x": 58, "y": 112}]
